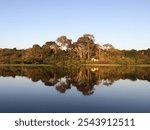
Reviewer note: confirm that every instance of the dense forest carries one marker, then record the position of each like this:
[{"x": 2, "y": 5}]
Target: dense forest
[{"x": 83, "y": 51}]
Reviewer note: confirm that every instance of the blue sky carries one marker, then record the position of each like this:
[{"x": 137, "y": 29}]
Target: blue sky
[{"x": 123, "y": 23}]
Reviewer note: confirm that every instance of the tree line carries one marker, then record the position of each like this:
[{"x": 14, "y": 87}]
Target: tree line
[{"x": 83, "y": 51}]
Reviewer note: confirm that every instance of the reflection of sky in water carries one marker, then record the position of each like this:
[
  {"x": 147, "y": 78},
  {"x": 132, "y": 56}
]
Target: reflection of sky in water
[{"x": 22, "y": 95}]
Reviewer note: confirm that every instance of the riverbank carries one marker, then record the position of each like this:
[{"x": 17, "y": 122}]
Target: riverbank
[
  {"x": 88, "y": 65},
  {"x": 97, "y": 65}
]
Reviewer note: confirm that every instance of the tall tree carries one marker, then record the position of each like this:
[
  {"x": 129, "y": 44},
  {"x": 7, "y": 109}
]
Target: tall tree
[
  {"x": 63, "y": 42},
  {"x": 87, "y": 40},
  {"x": 108, "y": 46}
]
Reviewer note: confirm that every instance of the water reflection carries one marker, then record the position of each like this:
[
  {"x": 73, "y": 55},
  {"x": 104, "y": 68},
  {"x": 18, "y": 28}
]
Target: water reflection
[{"x": 85, "y": 79}]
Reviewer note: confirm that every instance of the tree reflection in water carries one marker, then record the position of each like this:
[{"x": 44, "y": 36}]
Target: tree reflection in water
[{"x": 85, "y": 79}]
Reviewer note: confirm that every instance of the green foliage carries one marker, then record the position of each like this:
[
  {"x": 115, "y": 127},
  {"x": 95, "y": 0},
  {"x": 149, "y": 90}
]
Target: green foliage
[
  {"x": 84, "y": 51},
  {"x": 7, "y": 52}
]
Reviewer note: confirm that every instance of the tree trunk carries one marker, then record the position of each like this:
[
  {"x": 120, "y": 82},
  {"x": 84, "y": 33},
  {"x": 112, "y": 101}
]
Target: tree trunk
[{"x": 88, "y": 52}]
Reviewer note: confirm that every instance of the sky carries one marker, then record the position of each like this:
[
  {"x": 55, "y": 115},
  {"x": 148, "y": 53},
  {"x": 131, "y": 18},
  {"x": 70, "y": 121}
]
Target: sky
[{"x": 123, "y": 23}]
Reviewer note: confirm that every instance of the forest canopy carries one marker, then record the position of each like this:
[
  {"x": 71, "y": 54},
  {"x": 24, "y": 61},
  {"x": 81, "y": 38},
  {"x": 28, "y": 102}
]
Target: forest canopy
[{"x": 82, "y": 51}]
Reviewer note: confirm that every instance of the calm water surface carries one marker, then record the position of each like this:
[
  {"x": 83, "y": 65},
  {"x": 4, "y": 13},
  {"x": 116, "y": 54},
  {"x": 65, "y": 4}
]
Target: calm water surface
[{"x": 95, "y": 89}]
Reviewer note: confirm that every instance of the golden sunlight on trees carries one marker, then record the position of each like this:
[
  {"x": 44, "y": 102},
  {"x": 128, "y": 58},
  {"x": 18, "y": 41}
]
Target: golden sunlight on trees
[
  {"x": 63, "y": 42},
  {"x": 83, "y": 51}
]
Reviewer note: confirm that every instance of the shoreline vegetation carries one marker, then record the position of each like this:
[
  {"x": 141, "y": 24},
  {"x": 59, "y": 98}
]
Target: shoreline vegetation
[
  {"x": 82, "y": 65},
  {"x": 84, "y": 52}
]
